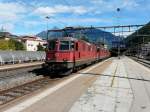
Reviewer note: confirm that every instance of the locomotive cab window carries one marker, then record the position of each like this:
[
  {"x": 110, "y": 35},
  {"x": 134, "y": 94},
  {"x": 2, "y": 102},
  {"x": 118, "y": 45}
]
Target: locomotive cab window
[
  {"x": 64, "y": 45},
  {"x": 76, "y": 46},
  {"x": 51, "y": 45}
]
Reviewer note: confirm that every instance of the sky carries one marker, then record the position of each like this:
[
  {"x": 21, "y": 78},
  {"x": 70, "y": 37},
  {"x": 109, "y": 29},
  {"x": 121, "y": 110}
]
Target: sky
[{"x": 23, "y": 17}]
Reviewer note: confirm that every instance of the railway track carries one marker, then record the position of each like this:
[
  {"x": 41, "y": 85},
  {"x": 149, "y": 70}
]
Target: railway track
[
  {"x": 39, "y": 80},
  {"x": 13, "y": 78},
  {"x": 9, "y": 95},
  {"x": 30, "y": 87},
  {"x": 141, "y": 61},
  {"x": 28, "y": 82}
]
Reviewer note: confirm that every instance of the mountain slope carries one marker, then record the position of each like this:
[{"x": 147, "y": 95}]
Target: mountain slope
[{"x": 93, "y": 35}]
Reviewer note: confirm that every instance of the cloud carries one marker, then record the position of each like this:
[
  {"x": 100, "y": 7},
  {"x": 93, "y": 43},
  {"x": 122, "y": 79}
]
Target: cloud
[
  {"x": 31, "y": 24},
  {"x": 81, "y": 21},
  {"x": 25, "y": 15},
  {"x": 58, "y": 9},
  {"x": 130, "y": 4},
  {"x": 11, "y": 11},
  {"x": 98, "y": 1}
]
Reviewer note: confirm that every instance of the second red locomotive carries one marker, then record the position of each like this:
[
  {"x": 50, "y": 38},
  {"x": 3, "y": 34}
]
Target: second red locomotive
[{"x": 69, "y": 53}]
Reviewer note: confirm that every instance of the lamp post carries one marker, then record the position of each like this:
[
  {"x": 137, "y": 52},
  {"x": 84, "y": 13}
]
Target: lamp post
[
  {"x": 118, "y": 10},
  {"x": 47, "y": 18}
]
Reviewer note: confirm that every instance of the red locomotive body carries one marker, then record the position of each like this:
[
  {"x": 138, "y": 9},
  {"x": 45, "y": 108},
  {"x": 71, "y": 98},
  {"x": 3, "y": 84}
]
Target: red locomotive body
[{"x": 69, "y": 53}]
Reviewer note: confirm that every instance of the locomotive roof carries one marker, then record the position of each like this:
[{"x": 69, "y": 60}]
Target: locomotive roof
[
  {"x": 68, "y": 38},
  {"x": 72, "y": 39},
  {"x": 65, "y": 38}
]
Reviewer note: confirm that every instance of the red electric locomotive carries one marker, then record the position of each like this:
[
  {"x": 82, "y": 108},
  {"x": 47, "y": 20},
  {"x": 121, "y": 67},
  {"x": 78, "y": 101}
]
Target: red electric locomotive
[{"x": 70, "y": 53}]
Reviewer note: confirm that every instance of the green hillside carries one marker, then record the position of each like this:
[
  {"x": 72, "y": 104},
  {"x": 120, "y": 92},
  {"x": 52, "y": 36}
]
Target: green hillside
[{"x": 142, "y": 36}]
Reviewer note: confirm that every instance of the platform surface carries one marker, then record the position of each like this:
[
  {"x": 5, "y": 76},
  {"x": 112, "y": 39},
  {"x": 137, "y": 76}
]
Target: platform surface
[
  {"x": 21, "y": 65},
  {"x": 120, "y": 88},
  {"x": 119, "y": 85}
]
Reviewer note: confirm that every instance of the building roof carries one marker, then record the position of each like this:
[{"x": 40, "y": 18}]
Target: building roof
[{"x": 32, "y": 38}]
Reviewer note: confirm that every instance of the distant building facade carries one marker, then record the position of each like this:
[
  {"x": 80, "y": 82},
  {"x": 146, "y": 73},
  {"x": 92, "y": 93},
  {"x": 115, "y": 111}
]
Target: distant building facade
[
  {"x": 145, "y": 49},
  {"x": 31, "y": 42}
]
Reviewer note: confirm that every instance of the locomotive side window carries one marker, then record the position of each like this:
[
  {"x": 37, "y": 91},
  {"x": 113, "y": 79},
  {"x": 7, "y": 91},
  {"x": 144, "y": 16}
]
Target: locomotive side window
[
  {"x": 72, "y": 45},
  {"x": 64, "y": 45},
  {"x": 51, "y": 45},
  {"x": 76, "y": 46}
]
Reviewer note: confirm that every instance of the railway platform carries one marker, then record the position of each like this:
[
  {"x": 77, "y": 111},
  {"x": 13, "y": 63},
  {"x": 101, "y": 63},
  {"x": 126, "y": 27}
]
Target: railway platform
[
  {"x": 21, "y": 65},
  {"x": 123, "y": 87},
  {"x": 114, "y": 85}
]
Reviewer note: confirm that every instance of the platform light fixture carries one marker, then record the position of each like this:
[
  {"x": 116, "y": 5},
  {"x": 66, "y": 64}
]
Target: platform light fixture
[{"x": 118, "y": 10}]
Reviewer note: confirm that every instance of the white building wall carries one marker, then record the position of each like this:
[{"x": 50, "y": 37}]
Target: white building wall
[{"x": 31, "y": 45}]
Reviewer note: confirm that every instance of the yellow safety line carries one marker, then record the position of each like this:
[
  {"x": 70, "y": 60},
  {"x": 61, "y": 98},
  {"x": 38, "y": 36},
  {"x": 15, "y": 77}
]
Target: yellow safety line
[{"x": 112, "y": 82}]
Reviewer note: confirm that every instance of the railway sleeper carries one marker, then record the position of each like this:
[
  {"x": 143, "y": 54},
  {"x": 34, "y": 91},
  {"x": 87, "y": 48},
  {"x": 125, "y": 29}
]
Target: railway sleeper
[
  {"x": 28, "y": 89},
  {"x": 5, "y": 98},
  {"x": 21, "y": 91},
  {"x": 11, "y": 95}
]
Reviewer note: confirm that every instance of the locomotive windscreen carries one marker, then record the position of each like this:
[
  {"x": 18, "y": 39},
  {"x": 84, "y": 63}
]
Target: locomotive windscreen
[{"x": 64, "y": 45}]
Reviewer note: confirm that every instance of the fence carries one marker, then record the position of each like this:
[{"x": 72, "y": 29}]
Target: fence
[{"x": 13, "y": 57}]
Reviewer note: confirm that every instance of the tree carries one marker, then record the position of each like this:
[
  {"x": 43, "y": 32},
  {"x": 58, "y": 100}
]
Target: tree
[
  {"x": 3, "y": 44},
  {"x": 40, "y": 47},
  {"x": 16, "y": 45},
  {"x": 11, "y": 45},
  {"x": 19, "y": 46}
]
